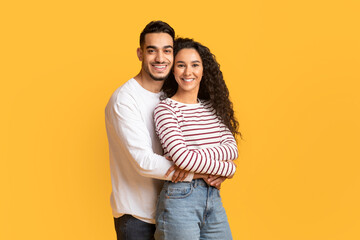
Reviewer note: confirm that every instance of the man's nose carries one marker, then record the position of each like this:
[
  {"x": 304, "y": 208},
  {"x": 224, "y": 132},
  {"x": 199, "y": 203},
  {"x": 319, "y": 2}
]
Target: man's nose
[{"x": 160, "y": 57}]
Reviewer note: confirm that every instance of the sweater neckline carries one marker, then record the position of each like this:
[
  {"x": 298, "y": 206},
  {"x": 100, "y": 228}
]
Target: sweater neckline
[{"x": 187, "y": 104}]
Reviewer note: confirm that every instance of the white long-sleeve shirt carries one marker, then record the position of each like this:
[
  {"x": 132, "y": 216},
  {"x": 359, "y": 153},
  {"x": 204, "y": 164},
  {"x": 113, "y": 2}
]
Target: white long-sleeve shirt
[
  {"x": 136, "y": 162},
  {"x": 195, "y": 138}
]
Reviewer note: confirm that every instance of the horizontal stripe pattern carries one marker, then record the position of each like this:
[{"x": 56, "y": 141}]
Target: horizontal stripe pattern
[{"x": 194, "y": 137}]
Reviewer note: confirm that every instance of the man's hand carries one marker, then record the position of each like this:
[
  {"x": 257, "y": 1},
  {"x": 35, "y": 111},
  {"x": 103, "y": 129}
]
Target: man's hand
[
  {"x": 215, "y": 181},
  {"x": 179, "y": 174}
]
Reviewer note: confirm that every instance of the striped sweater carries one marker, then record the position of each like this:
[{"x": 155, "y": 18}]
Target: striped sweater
[{"x": 194, "y": 137}]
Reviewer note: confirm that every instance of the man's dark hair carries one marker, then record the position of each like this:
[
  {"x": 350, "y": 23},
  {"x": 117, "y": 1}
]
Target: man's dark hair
[{"x": 156, "y": 27}]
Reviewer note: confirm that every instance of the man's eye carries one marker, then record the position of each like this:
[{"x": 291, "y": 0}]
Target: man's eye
[
  {"x": 151, "y": 51},
  {"x": 195, "y": 65}
]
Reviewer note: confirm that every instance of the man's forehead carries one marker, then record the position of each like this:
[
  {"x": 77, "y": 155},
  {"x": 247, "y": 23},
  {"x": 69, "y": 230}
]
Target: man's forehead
[{"x": 159, "y": 40}]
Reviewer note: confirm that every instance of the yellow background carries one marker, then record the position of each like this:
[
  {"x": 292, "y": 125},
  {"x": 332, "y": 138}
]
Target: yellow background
[{"x": 293, "y": 72}]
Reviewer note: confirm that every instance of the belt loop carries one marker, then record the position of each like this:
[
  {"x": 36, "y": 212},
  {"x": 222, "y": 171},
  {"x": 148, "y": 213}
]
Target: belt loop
[{"x": 195, "y": 183}]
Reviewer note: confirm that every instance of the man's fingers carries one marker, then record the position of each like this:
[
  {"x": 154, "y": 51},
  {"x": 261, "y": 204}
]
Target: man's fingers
[
  {"x": 179, "y": 176},
  {"x": 217, "y": 182},
  {"x": 206, "y": 179},
  {"x": 170, "y": 170},
  {"x": 186, "y": 173},
  {"x": 213, "y": 177},
  {"x": 175, "y": 175}
]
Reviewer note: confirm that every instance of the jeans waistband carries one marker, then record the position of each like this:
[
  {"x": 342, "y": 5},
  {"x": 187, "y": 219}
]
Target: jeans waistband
[
  {"x": 194, "y": 182},
  {"x": 199, "y": 182}
]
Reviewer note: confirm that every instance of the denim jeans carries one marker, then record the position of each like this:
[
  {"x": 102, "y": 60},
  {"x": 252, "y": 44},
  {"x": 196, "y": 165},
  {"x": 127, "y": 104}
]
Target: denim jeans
[
  {"x": 190, "y": 211},
  {"x": 129, "y": 228}
]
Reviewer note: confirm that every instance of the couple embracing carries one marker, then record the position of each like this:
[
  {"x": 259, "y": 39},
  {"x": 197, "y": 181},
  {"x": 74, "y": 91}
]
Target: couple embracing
[{"x": 171, "y": 132}]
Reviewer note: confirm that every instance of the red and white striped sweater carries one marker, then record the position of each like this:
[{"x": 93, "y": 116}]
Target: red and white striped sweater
[{"x": 194, "y": 137}]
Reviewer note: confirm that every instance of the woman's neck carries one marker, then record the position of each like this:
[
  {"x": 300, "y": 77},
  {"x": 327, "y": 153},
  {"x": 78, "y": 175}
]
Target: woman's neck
[{"x": 188, "y": 98}]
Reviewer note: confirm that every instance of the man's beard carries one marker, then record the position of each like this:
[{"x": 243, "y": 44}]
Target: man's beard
[
  {"x": 146, "y": 69},
  {"x": 159, "y": 78}
]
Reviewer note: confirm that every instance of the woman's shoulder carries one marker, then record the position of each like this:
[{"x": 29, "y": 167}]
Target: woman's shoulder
[{"x": 166, "y": 104}]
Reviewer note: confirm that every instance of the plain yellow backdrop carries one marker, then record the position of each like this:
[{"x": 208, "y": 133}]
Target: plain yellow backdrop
[{"x": 292, "y": 68}]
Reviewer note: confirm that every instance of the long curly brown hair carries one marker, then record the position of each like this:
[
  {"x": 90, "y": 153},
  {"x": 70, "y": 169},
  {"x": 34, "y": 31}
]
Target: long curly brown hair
[{"x": 212, "y": 85}]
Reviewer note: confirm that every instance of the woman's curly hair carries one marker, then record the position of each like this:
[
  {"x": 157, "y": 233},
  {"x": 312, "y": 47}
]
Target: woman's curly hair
[{"x": 212, "y": 85}]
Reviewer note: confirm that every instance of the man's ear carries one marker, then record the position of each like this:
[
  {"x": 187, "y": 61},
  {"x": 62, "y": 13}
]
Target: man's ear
[{"x": 139, "y": 53}]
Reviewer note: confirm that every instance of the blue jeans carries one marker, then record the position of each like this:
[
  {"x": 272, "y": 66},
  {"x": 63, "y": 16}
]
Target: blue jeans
[
  {"x": 190, "y": 211},
  {"x": 129, "y": 228}
]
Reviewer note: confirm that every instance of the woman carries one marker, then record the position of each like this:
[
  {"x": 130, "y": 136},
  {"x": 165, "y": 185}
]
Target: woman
[{"x": 196, "y": 127}]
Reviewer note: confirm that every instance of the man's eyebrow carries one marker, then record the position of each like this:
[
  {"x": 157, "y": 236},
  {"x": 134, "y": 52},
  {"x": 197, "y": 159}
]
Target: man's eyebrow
[
  {"x": 154, "y": 47},
  {"x": 151, "y": 46}
]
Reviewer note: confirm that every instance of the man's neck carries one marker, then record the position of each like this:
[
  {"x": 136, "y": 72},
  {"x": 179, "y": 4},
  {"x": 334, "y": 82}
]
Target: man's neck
[{"x": 148, "y": 83}]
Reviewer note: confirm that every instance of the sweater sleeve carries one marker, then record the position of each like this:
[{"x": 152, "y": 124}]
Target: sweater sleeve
[
  {"x": 206, "y": 160},
  {"x": 228, "y": 141},
  {"x": 124, "y": 121}
]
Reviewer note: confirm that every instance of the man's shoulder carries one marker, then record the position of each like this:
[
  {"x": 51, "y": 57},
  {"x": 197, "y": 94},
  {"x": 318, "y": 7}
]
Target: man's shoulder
[
  {"x": 125, "y": 95},
  {"x": 126, "y": 91}
]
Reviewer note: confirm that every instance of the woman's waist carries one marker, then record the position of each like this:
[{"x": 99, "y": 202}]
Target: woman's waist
[{"x": 194, "y": 183}]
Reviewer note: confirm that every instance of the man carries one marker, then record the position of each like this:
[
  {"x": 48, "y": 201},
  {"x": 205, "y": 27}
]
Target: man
[{"x": 136, "y": 162}]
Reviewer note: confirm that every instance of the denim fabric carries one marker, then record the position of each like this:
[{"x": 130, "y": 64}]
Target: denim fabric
[
  {"x": 129, "y": 228},
  {"x": 190, "y": 211}
]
